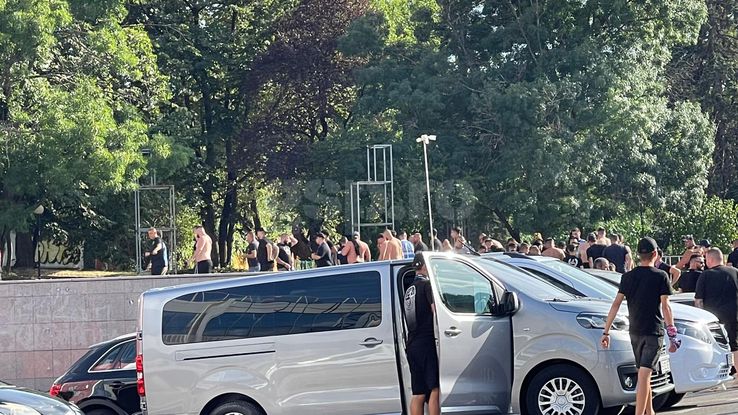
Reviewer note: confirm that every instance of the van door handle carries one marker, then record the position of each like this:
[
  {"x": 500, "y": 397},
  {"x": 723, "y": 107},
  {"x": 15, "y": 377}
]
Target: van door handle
[
  {"x": 452, "y": 332},
  {"x": 371, "y": 342}
]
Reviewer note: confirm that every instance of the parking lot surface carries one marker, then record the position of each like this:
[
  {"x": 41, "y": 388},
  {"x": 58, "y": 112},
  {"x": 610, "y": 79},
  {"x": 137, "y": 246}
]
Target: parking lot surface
[{"x": 717, "y": 401}]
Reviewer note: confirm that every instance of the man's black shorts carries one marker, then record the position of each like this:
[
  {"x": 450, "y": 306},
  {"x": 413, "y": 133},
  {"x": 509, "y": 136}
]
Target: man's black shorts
[
  {"x": 423, "y": 360},
  {"x": 646, "y": 349},
  {"x": 732, "y": 329}
]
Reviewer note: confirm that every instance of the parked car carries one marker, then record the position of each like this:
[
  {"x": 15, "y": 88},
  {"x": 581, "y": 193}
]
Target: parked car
[
  {"x": 703, "y": 361},
  {"x": 103, "y": 381},
  {"x": 331, "y": 341},
  {"x": 22, "y": 401},
  {"x": 614, "y": 277}
]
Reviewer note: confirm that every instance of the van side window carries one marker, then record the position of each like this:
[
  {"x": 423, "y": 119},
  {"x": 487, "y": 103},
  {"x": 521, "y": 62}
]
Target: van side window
[
  {"x": 462, "y": 288},
  {"x": 306, "y": 305}
]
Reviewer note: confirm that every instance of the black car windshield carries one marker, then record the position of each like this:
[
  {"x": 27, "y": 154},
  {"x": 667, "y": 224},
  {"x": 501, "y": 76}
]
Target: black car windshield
[{"x": 522, "y": 281}]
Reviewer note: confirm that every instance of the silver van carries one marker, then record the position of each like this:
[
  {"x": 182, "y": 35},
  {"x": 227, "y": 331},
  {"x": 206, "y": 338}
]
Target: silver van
[{"x": 330, "y": 341}]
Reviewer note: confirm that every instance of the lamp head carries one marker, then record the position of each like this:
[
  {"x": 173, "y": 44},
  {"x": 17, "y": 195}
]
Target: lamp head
[{"x": 39, "y": 210}]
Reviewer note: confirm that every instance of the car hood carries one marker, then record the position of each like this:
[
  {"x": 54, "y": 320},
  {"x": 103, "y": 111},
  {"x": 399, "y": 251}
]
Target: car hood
[
  {"x": 41, "y": 402},
  {"x": 581, "y": 305},
  {"x": 687, "y": 312}
]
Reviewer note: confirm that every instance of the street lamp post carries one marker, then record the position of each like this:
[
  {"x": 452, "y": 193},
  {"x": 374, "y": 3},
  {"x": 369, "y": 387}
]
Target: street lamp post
[
  {"x": 38, "y": 212},
  {"x": 426, "y": 139}
]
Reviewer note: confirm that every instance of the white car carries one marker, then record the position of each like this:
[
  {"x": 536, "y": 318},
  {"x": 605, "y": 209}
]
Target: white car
[{"x": 702, "y": 362}]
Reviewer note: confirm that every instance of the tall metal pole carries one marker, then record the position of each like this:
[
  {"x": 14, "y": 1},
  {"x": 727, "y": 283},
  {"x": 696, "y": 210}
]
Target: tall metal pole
[
  {"x": 38, "y": 243},
  {"x": 425, "y": 139}
]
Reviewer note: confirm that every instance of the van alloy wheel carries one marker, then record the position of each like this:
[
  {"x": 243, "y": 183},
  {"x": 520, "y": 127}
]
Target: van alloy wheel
[
  {"x": 561, "y": 389},
  {"x": 236, "y": 408},
  {"x": 561, "y": 396}
]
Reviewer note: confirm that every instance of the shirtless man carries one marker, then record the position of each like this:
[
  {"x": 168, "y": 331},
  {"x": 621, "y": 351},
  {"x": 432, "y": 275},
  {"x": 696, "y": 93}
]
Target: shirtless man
[{"x": 392, "y": 248}]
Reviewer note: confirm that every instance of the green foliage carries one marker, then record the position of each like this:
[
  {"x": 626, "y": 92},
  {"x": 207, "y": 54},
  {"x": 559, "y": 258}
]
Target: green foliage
[
  {"x": 80, "y": 92},
  {"x": 715, "y": 219}
]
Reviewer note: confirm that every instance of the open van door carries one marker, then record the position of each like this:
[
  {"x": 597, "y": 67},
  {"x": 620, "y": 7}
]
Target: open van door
[{"x": 475, "y": 337}]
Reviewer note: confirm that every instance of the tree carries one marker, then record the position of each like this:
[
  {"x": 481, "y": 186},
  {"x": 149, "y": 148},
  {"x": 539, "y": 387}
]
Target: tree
[
  {"x": 78, "y": 93},
  {"x": 554, "y": 113},
  {"x": 261, "y": 81}
]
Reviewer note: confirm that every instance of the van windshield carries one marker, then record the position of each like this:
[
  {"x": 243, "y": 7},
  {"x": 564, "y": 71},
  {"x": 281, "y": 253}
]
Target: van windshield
[
  {"x": 606, "y": 289},
  {"x": 521, "y": 281}
]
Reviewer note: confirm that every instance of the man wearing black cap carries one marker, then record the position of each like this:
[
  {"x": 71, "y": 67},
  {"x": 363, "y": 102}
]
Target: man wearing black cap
[
  {"x": 422, "y": 356},
  {"x": 645, "y": 288}
]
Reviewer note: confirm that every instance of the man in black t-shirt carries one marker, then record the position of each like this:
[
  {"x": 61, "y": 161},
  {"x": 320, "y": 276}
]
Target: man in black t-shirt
[
  {"x": 595, "y": 250},
  {"x": 617, "y": 254},
  {"x": 322, "y": 255},
  {"x": 264, "y": 252},
  {"x": 422, "y": 355},
  {"x": 284, "y": 256},
  {"x": 571, "y": 257},
  {"x": 688, "y": 281},
  {"x": 647, "y": 291},
  {"x": 717, "y": 292},
  {"x": 157, "y": 254},
  {"x": 417, "y": 240},
  {"x": 733, "y": 256},
  {"x": 251, "y": 252}
]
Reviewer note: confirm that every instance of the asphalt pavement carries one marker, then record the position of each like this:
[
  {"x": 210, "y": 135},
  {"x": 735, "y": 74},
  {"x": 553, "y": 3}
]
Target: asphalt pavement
[{"x": 722, "y": 400}]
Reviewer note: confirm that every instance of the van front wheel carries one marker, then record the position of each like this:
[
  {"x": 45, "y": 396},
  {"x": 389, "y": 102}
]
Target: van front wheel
[
  {"x": 236, "y": 408},
  {"x": 562, "y": 390}
]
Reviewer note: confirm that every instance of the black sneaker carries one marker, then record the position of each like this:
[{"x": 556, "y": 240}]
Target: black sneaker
[{"x": 732, "y": 371}]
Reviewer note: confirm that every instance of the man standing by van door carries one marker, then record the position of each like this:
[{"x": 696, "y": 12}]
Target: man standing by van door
[
  {"x": 645, "y": 288},
  {"x": 422, "y": 355},
  {"x": 717, "y": 292}
]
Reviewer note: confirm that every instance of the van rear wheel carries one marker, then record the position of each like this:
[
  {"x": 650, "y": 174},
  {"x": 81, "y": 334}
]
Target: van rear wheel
[
  {"x": 236, "y": 408},
  {"x": 562, "y": 390}
]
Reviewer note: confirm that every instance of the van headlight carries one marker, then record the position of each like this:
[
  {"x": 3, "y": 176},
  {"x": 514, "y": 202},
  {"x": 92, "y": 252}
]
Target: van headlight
[
  {"x": 597, "y": 321},
  {"x": 7, "y": 408},
  {"x": 693, "y": 330}
]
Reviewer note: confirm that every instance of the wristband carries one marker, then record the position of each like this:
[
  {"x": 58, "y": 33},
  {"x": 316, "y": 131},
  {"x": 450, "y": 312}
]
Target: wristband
[
  {"x": 605, "y": 333},
  {"x": 671, "y": 331}
]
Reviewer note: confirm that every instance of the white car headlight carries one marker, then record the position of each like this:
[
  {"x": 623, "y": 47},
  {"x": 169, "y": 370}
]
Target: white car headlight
[
  {"x": 598, "y": 321},
  {"x": 7, "y": 408},
  {"x": 693, "y": 330}
]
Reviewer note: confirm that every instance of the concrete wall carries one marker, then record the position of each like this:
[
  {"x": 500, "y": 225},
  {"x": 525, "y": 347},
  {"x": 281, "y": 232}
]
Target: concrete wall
[{"x": 48, "y": 324}]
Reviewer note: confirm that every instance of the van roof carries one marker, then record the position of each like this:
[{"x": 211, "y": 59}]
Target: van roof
[{"x": 236, "y": 279}]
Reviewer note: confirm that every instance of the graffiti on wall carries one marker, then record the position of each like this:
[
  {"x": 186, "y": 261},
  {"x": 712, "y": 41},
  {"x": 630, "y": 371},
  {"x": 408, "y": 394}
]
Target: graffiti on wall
[{"x": 59, "y": 256}]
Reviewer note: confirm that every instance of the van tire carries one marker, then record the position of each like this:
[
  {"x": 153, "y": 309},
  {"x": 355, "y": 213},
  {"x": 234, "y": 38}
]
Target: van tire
[
  {"x": 581, "y": 392},
  {"x": 236, "y": 408},
  {"x": 100, "y": 412},
  {"x": 659, "y": 402},
  {"x": 674, "y": 398}
]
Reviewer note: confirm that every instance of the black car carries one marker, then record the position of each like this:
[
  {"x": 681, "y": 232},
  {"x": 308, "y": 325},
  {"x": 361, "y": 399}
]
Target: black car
[
  {"x": 103, "y": 381},
  {"x": 16, "y": 400}
]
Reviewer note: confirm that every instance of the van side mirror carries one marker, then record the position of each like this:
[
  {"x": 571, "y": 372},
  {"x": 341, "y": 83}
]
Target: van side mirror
[{"x": 509, "y": 304}]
